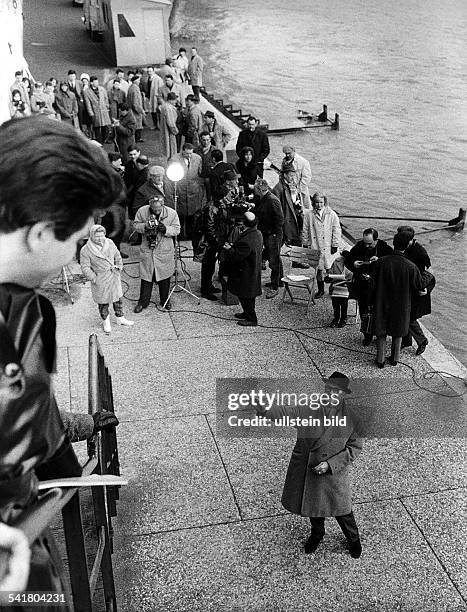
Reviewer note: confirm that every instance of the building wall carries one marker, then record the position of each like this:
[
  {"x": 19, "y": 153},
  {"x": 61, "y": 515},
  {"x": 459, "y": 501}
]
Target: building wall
[{"x": 11, "y": 50}]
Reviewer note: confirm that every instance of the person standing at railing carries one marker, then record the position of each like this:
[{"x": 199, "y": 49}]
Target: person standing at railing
[{"x": 39, "y": 230}]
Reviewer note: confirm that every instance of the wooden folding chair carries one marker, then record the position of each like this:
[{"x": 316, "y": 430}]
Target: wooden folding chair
[{"x": 302, "y": 255}]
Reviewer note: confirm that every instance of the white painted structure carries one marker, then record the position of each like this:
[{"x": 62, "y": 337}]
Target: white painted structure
[{"x": 11, "y": 50}]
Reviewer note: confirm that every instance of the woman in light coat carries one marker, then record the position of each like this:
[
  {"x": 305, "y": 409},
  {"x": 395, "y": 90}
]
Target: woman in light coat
[
  {"x": 159, "y": 225},
  {"x": 321, "y": 230},
  {"x": 101, "y": 264}
]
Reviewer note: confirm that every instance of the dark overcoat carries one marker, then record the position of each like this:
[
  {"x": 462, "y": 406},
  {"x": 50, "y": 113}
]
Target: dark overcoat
[
  {"x": 257, "y": 140},
  {"x": 421, "y": 304},
  {"x": 293, "y": 214},
  {"x": 243, "y": 264},
  {"x": 396, "y": 280},
  {"x": 125, "y": 132},
  {"x": 309, "y": 494}
]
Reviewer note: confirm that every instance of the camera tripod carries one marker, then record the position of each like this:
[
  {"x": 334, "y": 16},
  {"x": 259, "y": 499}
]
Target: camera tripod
[{"x": 179, "y": 272}]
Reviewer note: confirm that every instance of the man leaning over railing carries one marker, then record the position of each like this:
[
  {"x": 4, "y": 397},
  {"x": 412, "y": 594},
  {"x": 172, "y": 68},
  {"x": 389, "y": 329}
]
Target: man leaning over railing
[{"x": 46, "y": 204}]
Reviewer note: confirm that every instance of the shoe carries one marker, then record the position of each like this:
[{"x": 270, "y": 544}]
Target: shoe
[
  {"x": 167, "y": 307},
  {"x": 106, "y": 325},
  {"x": 355, "y": 549},
  {"x": 392, "y": 362},
  {"x": 140, "y": 140},
  {"x": 312, "y": 544},
  {"x": 123, "y": 321},
  {"x": 263, "y": 265},
  {"x": 334, "y": 323},
  {"x": 379, "y": 364},
  {"x": 240, "y": 315},
  {"x": 209, "y": 296},
  {"x": 272, "y": 293},
  {"x": 215, "y": 290},
  {"x": 367, "y": 341},
  {"x": 342, "y": 323},
  {"x": 297, "y": 264},
  {"x": 245, "y": 323},
  {"x": 319, "y": 294},
  {"x": 139, "y": 308},
  {"x": 421, "y": 347},
  {"x": 124, "y": 255}
]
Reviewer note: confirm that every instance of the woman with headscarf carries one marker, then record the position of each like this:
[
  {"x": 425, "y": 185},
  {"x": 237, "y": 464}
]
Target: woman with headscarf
[
  {"x": 66, "y": 105},
  {"x": 102, "y": 263},
  {"x": 248, "y": 169}
]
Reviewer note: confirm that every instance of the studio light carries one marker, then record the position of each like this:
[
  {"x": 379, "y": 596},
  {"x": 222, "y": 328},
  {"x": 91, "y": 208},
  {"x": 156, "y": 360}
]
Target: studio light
[{"x": 175, "y": 171}]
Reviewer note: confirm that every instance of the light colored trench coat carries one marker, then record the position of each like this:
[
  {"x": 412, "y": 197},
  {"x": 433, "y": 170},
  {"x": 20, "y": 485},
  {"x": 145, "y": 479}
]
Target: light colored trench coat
[
  {"x": 322, "y": 234},
  {"x": 168, "y": 129},
  {"x": 135, "y": 102},
  {"x": 103, "y": 270},
  {"x": 160, "y": 260},
  {"x": 97, "y": 107},
  {"x": 319, "y": 495}
]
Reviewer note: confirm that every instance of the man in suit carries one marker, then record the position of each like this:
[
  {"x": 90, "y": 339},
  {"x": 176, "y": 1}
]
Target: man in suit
[
  {"x": 255, "y": 138},
  {"x": 243, "y": 266}
]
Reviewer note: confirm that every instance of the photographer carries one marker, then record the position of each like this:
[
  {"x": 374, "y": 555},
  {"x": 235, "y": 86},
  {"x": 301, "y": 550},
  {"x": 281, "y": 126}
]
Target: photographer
[
  {"x": 17, "y": 107},
  {"x": 158, "y": 225}
]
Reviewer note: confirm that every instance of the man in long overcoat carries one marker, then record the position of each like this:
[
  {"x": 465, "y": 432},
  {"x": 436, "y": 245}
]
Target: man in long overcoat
[
  {"x": 287, "y": 192},
  {"x": 321, "y": 230},
  {"x": 168, "y": 126},
  {"x": 125, "y": 129},
  {"x": 256, "y": 138},
  {"x": 158, "y": 225},
  {"x": 135, "y": 102},
  {"x": 317, "y": 484},
  {"x": 396, "y": 280},
  {"x": 97, "y": 106},
  {"x": 195, "y": 71},
  {"x": 243, "y": 266},
  {"x": 190, "y": 190}
]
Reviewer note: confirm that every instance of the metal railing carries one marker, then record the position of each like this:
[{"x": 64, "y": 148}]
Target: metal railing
[{"x": 102, "y": 459}]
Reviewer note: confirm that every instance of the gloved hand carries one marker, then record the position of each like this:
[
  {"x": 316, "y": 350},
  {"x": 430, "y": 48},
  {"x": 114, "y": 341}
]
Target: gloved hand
[
  {"x": 104, "y": 421},
  {"x": 161, "y": 228},
  {"x": 333, "y": 250}
]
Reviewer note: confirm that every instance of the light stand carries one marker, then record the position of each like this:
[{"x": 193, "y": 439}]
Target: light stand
[{"x": 175, "y": 172}]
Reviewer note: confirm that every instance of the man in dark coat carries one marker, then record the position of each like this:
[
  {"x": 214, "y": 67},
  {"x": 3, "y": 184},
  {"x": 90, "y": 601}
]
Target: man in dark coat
[
  {"x": 360, "y": 262},
  {"x": 317, "y": 484},
  {"x": 421, "y": 304},
  {"x": 243, "y": 264},
  {"x": 270, "y": 224},
  {"x": 39, "y": 231},
  {"x": 217, "y": 174},
  {"x": 396, "y": 280},
  {"x": 255, "y": 138},
  {"x": 125, "y": 129},
  {"x": 287, "y": 192},
  {"x": 153, "y": 187}
]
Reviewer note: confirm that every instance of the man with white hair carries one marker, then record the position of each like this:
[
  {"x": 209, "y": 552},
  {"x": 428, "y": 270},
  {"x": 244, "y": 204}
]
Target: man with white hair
[{"x": 302, "y": 169}]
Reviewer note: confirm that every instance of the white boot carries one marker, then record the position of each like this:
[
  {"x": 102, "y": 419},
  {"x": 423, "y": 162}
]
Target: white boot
[
  {"x": 123, "y": 321},
  {"x": 107, "y": 327}
]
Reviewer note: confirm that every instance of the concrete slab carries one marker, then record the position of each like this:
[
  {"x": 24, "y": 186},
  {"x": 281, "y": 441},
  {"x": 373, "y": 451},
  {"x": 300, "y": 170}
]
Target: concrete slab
[
  {"x": 260, "y": 565},
  {"x": 176, "y": 477},
  {"x": 441, "y": 518},
  {"x": 178, "y": 378}
]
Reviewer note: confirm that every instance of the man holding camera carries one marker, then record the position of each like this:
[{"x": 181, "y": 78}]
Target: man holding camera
[{"x": 158, "y": 224}]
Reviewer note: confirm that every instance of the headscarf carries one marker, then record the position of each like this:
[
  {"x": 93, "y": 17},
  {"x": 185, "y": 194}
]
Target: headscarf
[{"x": 94, "y": 248}]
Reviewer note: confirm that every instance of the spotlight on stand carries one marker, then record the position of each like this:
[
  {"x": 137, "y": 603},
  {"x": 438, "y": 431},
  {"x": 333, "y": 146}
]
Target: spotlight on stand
[{"x": 175, "y": 171}]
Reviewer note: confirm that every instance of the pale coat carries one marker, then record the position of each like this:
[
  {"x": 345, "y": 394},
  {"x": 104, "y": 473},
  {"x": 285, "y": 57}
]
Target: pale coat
[
  {"x": 319, "y": 495},
  {"x": 160, "y": 260},
  {"x": 219, "y": 135},
  {"x": 134, "y": 100},
  {"x": 103, "y": 270},
  {"x": 190, "y": 190},
  {"x": 97, "y": 106},
  {"x": 322, "y": 234},
  {"x": 169, "y": 130},
  {"x": 154, "y": 93},
  {"x": 303, "y": 170},
  {"x": 176, "y": 89},
  {"x": 195, "y": 71},
  {"x": 194, "y": 120}
]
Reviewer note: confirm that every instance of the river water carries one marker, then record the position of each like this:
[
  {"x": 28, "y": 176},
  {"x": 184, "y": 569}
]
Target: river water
[{"x": 396, "y": 73}]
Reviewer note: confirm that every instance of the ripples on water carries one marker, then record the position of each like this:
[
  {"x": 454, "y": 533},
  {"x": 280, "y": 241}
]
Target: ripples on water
[{"x": 395, "y": 71}]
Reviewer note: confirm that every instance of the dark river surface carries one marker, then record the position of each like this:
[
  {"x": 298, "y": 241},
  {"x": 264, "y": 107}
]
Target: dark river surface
[{"x": 395, "y": 72}]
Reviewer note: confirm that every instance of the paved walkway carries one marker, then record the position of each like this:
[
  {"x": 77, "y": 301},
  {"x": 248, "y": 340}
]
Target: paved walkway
[{"x": 200, "y": 525}]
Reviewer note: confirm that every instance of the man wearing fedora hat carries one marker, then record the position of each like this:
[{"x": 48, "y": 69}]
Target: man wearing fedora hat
[
  {"x": 317, "y": 483},
  {"x": 219, "y": 135}
]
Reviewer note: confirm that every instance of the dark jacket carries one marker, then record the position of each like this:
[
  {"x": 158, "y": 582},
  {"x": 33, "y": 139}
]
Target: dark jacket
[
  {"x": 135, "y": 181},
  {"x": 248, "y": 174},
  {"x": 363, "y": 288},
  {"x": 116, "y": 97},
  {"x": 421, "y": 304},
  {"x": 257, "y": 140},
  {"x": 293, "y": 214},
  {"x": 125, "y": 132},
  {"x": 216, "y": 179},
  {"x": 66, "y": 105},
  {"x": 269, "y": 213},
  {"x": 243, "y": 264},
  {"x": 396, "y": 280},
  {"x": 144, "y": 194}
]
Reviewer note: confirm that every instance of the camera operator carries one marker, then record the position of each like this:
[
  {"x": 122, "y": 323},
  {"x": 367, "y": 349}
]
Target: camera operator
[
  {"x": 158, "y": 225},
  {"x": 18, "y": 108}
]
